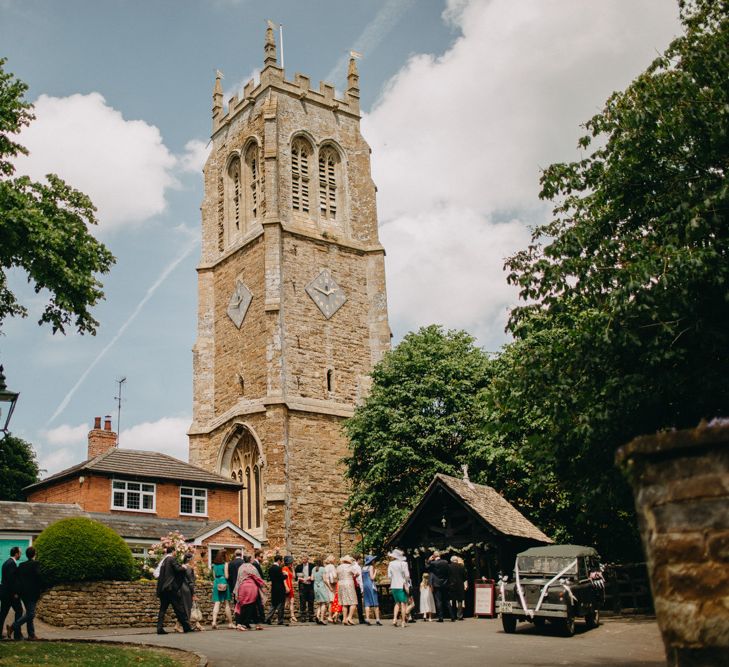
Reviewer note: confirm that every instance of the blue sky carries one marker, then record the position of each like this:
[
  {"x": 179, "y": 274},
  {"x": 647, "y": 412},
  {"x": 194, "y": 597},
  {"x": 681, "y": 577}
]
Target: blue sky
[{"x": 464, "y": 101}]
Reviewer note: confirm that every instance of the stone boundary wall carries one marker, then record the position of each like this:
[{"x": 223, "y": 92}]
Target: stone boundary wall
[{"x": 108, "y": 604}]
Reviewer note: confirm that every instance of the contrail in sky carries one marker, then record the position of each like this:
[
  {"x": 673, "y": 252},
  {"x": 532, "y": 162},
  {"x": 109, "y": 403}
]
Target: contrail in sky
[
  {"x": 150, "y": 291},
  {"x": 373, "y": 34}
]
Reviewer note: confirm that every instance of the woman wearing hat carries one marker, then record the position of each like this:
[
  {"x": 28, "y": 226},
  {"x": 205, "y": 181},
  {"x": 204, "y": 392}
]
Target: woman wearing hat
[
  {"x": 288, "y": 571},
  {"x": 347, "y": 593},
  {"x": 399, "y": 574},
  {"x": 369, "y": 591}
]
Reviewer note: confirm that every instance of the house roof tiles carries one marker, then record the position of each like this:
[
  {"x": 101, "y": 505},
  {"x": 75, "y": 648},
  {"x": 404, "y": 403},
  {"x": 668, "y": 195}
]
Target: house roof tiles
[{"x": 138, "y": 463}]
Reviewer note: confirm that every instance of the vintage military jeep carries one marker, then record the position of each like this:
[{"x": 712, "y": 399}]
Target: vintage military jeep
[{"x": 557, "y": 584}]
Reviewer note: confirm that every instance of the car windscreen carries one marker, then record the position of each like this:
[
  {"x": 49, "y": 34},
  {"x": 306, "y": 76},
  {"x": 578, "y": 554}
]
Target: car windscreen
[{"x": 545, "y": 565}]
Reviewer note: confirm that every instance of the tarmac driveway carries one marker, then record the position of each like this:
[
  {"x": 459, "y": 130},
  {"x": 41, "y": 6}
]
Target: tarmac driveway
[{"x": 618, "y": 642}]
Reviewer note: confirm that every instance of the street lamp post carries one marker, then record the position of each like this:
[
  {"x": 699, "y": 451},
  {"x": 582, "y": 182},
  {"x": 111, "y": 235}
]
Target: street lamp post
[{"x": 9, "y": 397}]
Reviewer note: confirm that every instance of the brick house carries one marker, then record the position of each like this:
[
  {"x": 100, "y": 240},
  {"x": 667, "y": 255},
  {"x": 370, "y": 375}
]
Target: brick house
[{"x": 142, "y": 495}]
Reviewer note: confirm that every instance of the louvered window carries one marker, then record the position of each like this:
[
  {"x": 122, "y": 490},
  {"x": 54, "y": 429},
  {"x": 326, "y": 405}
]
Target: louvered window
[
  {"x": 328, "y": 185},
  {"x": 300, "y": 160},
  {"x": 255, "y": 183}
]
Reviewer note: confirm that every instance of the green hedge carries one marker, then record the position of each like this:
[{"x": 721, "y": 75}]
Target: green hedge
[{"x": 80, "y": 549}]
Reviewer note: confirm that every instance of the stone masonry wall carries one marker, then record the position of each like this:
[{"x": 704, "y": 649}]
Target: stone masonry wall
[{"x": 108, "y": 604}]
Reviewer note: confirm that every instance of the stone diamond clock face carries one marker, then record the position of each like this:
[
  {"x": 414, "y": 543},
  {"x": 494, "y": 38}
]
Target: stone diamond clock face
[
  {"x": 326, "y": 294},
  {"x": 239, "y": 302}
]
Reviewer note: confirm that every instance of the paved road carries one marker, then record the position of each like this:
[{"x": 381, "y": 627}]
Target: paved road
[{"x": 617, "y": 643}]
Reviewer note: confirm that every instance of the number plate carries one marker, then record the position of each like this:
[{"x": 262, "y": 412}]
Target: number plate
[{"x": 506, "y": 607}]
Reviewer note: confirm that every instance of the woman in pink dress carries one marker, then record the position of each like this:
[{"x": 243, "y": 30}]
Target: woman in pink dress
[
  {"x": 248, "y": 587},
  {"x": 347, "y": 593}
]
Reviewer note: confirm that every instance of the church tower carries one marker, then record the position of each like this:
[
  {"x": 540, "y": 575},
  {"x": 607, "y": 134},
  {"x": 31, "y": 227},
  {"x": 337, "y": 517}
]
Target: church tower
[{"x": 292, "y": 307}]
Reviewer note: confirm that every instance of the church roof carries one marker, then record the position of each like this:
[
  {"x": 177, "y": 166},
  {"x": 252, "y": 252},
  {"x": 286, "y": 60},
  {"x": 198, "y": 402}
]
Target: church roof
[
  {"x": 140, "y": 464},
  {"x": 487, "y": 504}
]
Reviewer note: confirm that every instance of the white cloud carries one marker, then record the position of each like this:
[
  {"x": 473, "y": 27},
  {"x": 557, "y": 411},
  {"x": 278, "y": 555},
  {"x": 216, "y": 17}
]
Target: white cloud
[
  {"x": 438, "y": 276},
  {"x": 195, "y": 155},
  {"x": 167, "y": 435},
  {"x": 459, "y": 140},
  {"x": 123, "y": 165},
  {"x": 66, "y": 445},
  {"x": 65, "y": 434},
  {"x": 62, "y": 447}
]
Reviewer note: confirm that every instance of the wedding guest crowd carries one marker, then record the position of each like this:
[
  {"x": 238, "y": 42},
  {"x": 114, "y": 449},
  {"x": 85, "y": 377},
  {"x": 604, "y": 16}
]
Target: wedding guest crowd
[{"x": 328, "y": 593}]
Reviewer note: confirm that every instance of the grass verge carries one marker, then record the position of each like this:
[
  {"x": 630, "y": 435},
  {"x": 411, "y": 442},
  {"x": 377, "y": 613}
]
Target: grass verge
[{"x": 72, "y": 654}]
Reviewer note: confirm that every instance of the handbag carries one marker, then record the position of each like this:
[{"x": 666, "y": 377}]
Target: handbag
[
  {"x": 222, "y": 588},
  {"x": 196, "y": 613}
]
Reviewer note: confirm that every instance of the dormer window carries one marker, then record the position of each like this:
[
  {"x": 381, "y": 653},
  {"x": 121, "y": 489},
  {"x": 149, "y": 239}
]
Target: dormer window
[
  {"x": 133, "y": 496},
  {"x": 193, "y": 501}
]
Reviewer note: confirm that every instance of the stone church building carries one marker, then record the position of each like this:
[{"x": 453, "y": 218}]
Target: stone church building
[{"x": 292, "y": 306}]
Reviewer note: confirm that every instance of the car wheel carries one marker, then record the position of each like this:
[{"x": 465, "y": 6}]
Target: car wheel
[
  {"x": 508, "y": 621},
  {"x": 568, "y": 626},
  {"x": 592, "y": 620}
]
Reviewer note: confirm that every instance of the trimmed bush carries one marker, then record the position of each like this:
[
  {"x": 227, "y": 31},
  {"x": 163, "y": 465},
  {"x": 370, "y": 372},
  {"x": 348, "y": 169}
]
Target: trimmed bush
[{"x": 79, "y": 549}]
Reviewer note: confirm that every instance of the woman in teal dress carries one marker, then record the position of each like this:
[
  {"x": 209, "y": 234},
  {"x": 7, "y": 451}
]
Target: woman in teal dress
[
  {"x": 322, "y": 597},
  {"x": 221, "y": 589}
]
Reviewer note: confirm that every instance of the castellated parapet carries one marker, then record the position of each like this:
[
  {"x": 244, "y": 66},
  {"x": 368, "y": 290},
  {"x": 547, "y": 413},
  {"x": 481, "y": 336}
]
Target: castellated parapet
[{"x": 292, "y": 312}]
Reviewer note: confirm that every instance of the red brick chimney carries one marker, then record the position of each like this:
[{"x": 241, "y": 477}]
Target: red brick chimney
[{"x": 101, "y": 439}]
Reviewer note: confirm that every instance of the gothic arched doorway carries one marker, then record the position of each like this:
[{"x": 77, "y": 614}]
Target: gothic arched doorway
[{"x": 241, "y": 460}]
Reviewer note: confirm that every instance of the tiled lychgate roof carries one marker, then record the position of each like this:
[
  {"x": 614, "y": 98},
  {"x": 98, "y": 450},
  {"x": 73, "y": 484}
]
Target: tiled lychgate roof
[
  {"x": 493, "y": 508},
  {"x": 142, "y": 464}
]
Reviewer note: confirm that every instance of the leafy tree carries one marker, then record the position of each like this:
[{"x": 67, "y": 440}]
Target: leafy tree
[
  {"x": 43, "y": 230},
  {"x": 18, "y": 467},
  {"x": 80, "y": 549},
  {"x": 626, "y": 322},
  {"x": 422, "y": 416}
]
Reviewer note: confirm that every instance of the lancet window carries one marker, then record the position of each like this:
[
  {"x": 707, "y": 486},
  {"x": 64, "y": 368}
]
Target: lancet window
[
  {"x": 328, "y": 182},
  {"x": 300, "y": 176}
]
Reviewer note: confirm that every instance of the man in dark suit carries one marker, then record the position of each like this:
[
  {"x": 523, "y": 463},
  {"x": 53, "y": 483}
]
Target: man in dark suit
[
  {"x": 438, "y": 569},
  {"x": 233, "y": 568},
  {"x": 304, "y": 572},
  {"x": 171, "y": 578},
  {"x": 9, "y": 598},
  {"x": 278, "y": 590},
  {"x": 29, "y": 587},
  {"x": 457, "y": 585}
]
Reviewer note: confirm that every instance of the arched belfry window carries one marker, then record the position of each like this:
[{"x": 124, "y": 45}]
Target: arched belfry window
[
  {"x": 329, "y": 182},
  {"x": 235, "y": 194},
  {"x": 254, "y": 181},
  {"x": 245, "y": 466},
  {"x": 301, "y": 153}
]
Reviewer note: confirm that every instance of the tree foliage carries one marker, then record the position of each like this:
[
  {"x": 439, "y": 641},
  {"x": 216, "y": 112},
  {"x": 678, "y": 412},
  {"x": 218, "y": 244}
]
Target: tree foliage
[
  {"x": 423, "y": 416},
  {"x": 18, "y": 467},
  {"x": 626, "y": 322},
  {"x": 44, "y": 230},
  {"x": 622, "y": 330},
  {"x": 80, "y": 549}
]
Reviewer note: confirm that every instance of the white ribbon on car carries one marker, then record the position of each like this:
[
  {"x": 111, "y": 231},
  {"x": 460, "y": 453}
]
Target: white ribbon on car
[{"x": 530, "y": 612}]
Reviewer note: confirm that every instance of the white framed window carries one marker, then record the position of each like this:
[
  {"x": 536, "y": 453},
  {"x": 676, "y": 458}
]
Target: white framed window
[
  {"x": 193, "y": 501},
  {"x": 133, "y": 496}
]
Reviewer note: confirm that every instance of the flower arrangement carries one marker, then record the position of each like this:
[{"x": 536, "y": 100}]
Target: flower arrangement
[{"x": 158, "y": 551}]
